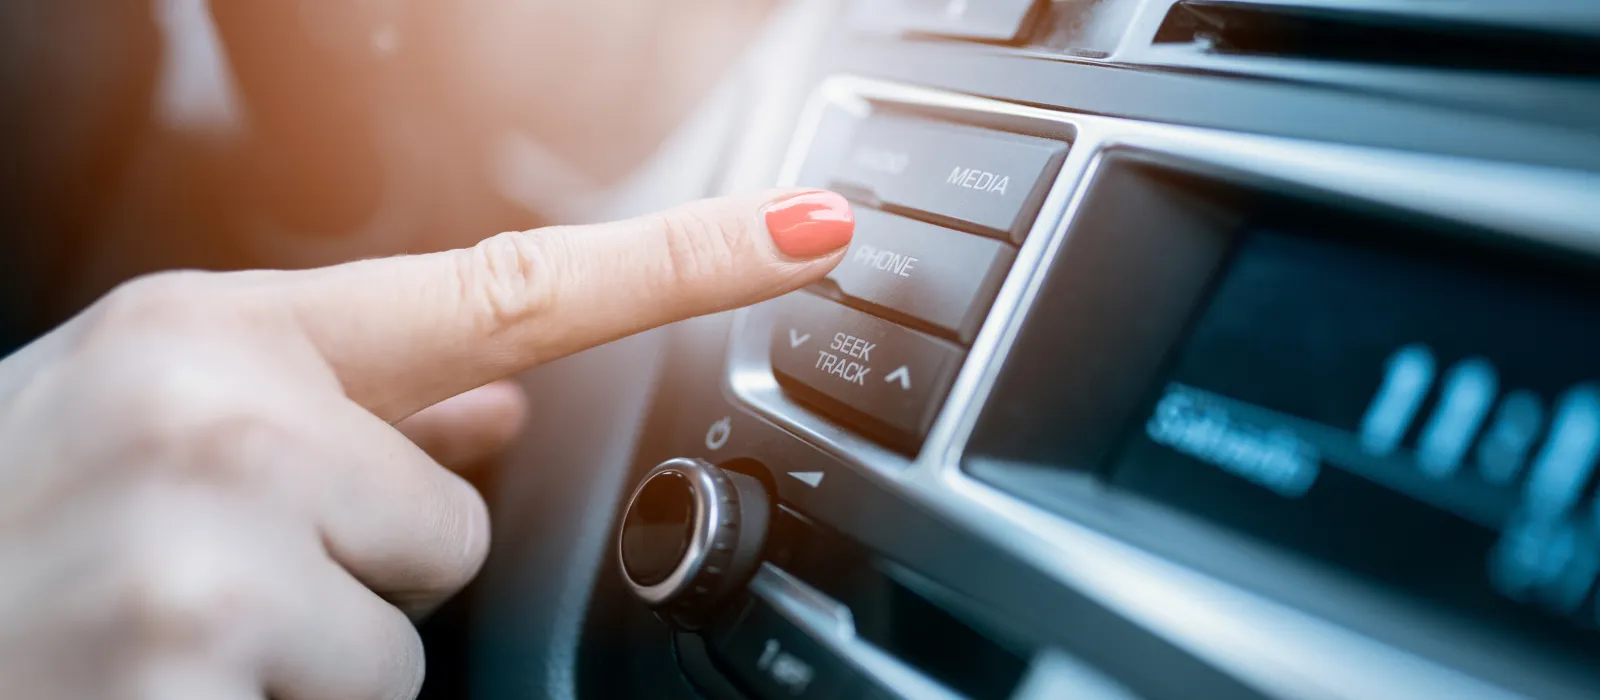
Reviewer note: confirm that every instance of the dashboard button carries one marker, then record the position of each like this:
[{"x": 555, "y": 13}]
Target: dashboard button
[
  {"x": 943, "y": 277},
  {"x": 890, "y": 373},
  {"x": 988, "y": 181},
  {"x": 776, "y": 659},
  {"x": 988, "y": 20}
]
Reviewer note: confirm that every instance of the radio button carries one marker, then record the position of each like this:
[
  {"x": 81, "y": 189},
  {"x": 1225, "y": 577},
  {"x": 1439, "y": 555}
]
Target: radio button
[
  {"x": 884, "y": 371},
  {"x": 933, "y": 274},
  {"x": 988, "y": 181}
]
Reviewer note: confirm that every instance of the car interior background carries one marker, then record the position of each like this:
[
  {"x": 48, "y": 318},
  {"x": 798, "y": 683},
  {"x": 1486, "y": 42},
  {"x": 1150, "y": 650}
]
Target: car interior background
[{"x": 1186, "y": 348}]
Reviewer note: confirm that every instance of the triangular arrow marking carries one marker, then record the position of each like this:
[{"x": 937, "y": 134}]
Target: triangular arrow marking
[
  {"x": 812, "y": 479},
  {"x": 902, "y": 375},
  {"x": 795, "y": 339}
]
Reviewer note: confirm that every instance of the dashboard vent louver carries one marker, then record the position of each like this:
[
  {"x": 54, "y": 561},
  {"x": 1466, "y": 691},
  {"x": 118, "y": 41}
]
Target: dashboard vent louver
[{"x": 1362, "y": 35}]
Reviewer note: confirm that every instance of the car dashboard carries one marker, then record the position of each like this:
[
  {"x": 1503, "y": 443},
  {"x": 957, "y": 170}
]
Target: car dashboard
[{"x": 1185, "y": 349}]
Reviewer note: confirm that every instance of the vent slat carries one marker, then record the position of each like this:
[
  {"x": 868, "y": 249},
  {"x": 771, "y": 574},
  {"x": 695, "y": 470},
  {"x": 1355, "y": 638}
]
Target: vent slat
[{"x": 1323, "y": 32}]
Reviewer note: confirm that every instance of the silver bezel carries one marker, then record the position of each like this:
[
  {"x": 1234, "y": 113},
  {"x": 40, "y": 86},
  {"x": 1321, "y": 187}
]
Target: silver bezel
[
  {"x": 1283, "y": 651},
  {"x": 706, "y": 516}
]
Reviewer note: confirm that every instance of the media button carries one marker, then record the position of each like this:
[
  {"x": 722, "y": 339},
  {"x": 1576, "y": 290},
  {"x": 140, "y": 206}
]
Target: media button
[
  {"x": 882, "y": 370},
  {"x": 988, "y": 181},
  {"x": 933, "y": 274}
]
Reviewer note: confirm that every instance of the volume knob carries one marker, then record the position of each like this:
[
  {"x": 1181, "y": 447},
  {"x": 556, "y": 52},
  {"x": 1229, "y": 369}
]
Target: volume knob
[{"x": 692, "y": 534}]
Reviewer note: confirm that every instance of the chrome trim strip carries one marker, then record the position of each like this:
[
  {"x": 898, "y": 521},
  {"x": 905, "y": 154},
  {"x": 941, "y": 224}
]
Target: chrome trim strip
[
  {"x": 706, "y": 515},
  {"x": 1280, "y": 650},
  {"x": 831, "y": 624}
]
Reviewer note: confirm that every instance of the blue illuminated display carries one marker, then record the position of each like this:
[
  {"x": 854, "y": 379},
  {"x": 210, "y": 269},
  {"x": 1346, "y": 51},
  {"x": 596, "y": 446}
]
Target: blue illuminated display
[{"x": 1423, "y": 418}]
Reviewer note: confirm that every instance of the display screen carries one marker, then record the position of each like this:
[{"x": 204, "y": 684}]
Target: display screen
[{"x": 1421, "y": 416}]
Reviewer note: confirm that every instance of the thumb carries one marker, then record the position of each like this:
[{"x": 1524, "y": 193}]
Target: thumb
[{"x": 404, "y": 333}]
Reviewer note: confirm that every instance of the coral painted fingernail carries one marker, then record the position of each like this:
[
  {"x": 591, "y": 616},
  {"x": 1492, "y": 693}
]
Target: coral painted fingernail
[{"x": 810, "y": 224}]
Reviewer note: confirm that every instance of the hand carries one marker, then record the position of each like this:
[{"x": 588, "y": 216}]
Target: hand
[
  {"x": 202, "y": 493},
  {"x": 467, "y": 431}
]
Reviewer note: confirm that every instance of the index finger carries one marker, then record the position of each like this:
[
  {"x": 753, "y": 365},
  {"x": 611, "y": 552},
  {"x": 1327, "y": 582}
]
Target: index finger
[{"x": 404, "y": 333}]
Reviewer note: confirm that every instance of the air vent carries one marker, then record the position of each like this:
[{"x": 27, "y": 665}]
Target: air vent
[{"x": 1325, "y": 32}]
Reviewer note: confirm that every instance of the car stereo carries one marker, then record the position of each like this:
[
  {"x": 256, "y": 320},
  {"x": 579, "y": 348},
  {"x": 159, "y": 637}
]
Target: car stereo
[{"x": 1280, "y": 418}]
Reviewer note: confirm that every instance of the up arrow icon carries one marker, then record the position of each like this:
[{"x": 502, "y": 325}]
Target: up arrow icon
[
  {"x": 902, "y": 375},
  {"x": 795, "y": 338}
]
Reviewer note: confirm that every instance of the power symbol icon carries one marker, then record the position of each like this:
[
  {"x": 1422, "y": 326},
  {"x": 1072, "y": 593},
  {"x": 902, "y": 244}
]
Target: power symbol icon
[{"x": 717, "y": 434}]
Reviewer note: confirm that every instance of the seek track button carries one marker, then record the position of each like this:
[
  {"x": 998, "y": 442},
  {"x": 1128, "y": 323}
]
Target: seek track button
[{"x": 870, "y": 367}]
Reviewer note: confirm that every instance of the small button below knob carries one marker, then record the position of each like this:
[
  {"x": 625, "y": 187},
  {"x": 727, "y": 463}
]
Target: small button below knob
[{"x": 692, "y": 534}]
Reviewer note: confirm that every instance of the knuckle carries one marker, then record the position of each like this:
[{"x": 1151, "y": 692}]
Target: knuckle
[
  {"x": 406, "y": 651},
  {"x": 185, "y": 420},
  {"x": 518, "y": 275},
  {"x": 190, "y": 597},
  {"x": 698, "y": 246},
  {"x": 460, "y": 536},
  {"x": 177, "y": 405},
  {"x": 463, "y": 539},
  {"x": 475, "y": 536},
  {"x": 157, "y": 301}
]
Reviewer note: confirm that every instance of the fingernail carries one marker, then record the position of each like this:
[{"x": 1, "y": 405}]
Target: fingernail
[{"x": 810, "y": 224}]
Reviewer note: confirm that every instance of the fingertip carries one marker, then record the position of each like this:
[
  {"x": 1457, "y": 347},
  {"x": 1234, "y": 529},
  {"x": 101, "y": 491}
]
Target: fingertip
[{"x": 809, "y": 224}]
